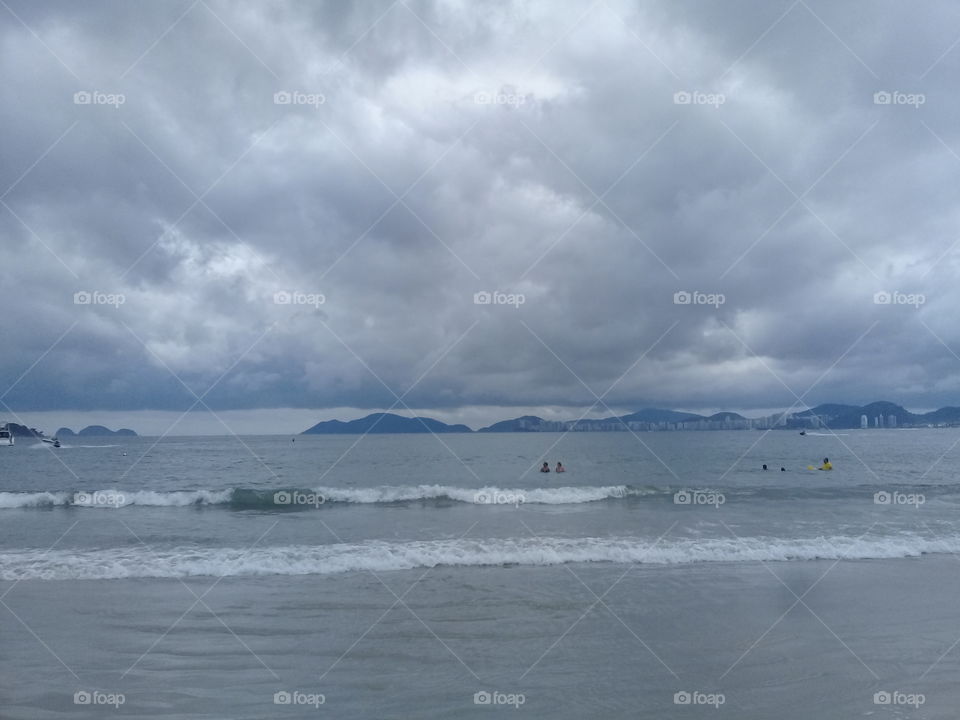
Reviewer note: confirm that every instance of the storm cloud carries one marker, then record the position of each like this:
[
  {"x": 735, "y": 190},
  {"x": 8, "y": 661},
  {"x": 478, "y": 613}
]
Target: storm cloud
[{"x": 326, "y": 205}]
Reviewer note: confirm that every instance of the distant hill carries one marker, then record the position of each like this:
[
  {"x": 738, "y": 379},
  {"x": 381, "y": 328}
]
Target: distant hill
[
  {"x": 829, "y": 410},
  {"x": 656, "y": 415},
  {"x": 839, "y": 417},
  {"x": 384, "y": 423},
  {"x": 18, "y": 430},
  {"x": 848, "y": 416},
  {"x": 949, "y": 415},
  {"x": 527, "y": 423},
  {"x": 721, "y": 416},
  {"x": 830, "y": 415},
  {"x": 95, "y": 431},
  {"x": 532, "y": 423}
]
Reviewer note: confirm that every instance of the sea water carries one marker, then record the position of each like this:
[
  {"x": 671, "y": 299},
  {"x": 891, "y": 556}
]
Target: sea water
[{"x": 663, "y": 575}]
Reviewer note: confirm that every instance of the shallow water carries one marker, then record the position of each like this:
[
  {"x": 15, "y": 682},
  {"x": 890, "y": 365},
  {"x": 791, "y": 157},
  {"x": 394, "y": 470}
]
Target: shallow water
[{"x": 400, "y": 575}]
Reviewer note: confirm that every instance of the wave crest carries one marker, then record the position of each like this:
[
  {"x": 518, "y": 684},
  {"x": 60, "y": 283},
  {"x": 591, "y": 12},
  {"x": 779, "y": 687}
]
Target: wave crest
[
  {"x": 289, "y": 498},
  {"x": 381, "y": 556}
]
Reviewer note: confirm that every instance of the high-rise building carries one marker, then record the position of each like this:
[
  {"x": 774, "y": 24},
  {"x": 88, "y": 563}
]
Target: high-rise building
[
  {"x": 891, "y": 421},
  {"x": 864, "y": 424}
]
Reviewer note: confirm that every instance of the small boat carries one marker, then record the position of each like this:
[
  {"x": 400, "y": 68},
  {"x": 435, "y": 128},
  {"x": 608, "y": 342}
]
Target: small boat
[
  {"x": 803, "y": 432},
  {"x": 6, "y": 435},
  {"x": 53, "y": 441}
]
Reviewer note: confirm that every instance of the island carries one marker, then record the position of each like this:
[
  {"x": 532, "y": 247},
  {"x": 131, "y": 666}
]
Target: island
[
  {"x": 95, "y": 431},
  {"x": 384, "y": 423}
]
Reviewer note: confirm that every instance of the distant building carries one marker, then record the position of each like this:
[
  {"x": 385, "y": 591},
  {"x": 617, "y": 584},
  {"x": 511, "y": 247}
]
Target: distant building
[
  {"x": 891, "y": 421},
  {"x": 864, "y": 424}
]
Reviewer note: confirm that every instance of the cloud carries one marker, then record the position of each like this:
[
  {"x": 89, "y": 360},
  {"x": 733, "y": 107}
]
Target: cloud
[{"x": 396, "y": 159}]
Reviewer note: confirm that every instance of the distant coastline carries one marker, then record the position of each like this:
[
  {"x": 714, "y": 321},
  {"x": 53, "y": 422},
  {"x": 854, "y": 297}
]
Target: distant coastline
[
  {"x": 95, "y": 431},
  {"x": 19, "y": 430},
  {"x": 828, "y": 416}
]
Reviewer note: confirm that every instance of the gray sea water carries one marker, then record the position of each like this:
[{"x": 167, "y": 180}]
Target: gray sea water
[{"x": 663, "y": 575}]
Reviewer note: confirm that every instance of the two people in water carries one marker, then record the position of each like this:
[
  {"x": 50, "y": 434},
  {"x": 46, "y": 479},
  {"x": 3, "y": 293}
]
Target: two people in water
[
  {"x": 545, "y": 468},
  {"x": 826, "y": 466}
]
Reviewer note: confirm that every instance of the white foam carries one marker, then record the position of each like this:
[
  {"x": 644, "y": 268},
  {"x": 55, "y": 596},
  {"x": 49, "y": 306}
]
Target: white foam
[
  {"x": 380, "y": 556},
  {"x": 33, "y": 499},
  {"x": 111, "y": 498},
  {"x": 479, "y": 496},
  {"x": 114, "y": 498}
]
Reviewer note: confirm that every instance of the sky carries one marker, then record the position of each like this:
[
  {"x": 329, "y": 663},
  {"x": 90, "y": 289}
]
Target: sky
[{"x": 220, "y": 216}]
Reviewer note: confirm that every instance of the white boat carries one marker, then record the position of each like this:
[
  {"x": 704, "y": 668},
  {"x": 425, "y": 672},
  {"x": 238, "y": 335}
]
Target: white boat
[{"x": 6, "y": 435}]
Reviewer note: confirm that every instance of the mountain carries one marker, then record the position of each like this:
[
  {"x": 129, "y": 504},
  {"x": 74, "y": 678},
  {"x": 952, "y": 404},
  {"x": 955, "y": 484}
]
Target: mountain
[
  {"x": 655, "y": 415},
  {"x": 95, "y": 431},
  {"x": 721, "y": 416},
  {"x": 527, "y": 423},
  {"x": 848, "y": 416},
  {"x": 383, "y": 423},
  {"x": 947, "y": 415},
  {"x": 23, "y": 431},
  {"x": 532, "y": 423},
  {"x": 829, "y": 410},
  {"x": 830, "y": 415}
]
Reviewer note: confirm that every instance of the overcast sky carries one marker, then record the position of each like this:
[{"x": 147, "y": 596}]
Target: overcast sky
[{"x": 246, "y": 207}]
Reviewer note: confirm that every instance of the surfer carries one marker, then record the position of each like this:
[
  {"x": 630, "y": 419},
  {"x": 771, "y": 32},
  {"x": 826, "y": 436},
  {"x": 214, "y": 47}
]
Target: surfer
[
  {"x": 560, "y": 467},
  {"x": 545, "y": 467}
]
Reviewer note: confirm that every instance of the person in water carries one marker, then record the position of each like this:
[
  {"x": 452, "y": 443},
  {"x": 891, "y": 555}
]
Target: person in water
[
  {"x": 546, "y": 467},
  {"x": 783, "y": 469},
  {"x": 826, "y": 465},
  {"x": 764, "y": 466},
  {"x": 560, "y": 467}
]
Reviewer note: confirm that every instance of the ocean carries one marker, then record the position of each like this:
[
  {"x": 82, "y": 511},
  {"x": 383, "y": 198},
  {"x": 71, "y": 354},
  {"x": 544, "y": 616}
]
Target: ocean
[{"x": 413, "y": 576}]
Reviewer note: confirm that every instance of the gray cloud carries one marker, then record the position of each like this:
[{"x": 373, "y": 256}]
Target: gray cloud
[{"x": 436, "y": 150}]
